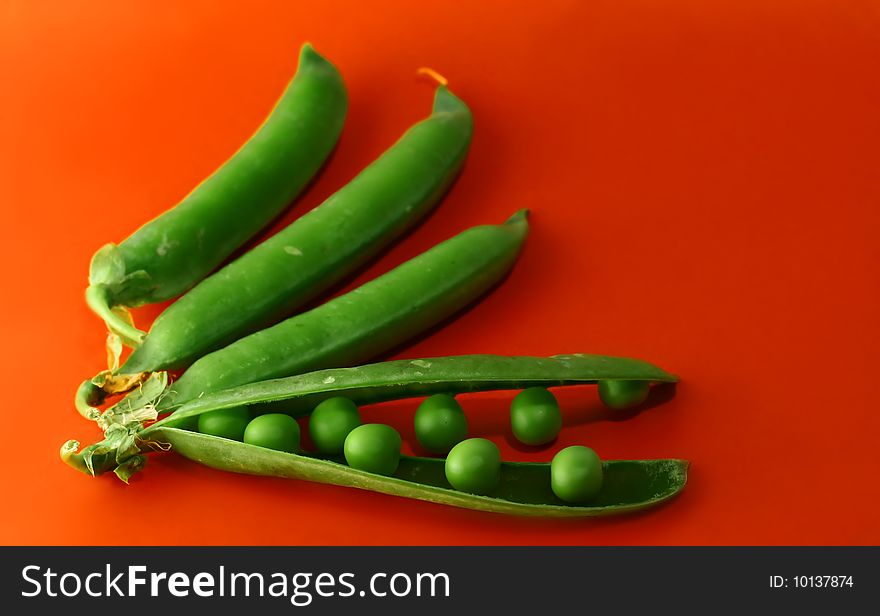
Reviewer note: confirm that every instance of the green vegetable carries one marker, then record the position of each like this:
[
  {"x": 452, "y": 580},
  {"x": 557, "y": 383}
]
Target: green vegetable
[
  {"x": 440, "y": 423},
  {"x": 273, "y": 431},
  {"x": 352, "y": 328},
  {"x": 374, "y": 448},
  {"x": 620, "y": 395},
  {"x": 535, "y": 417},
  {"x": 576, "y": 474},
  {"x": 373, "y": 318},
  {"x": 171, "y": 253},
  {"x": 317, "y": 250},
  {"x": 474, "y": 466},
  {"x": 225, "y": 423},
  {"x": 330, "y": 423},
  {"x": 401, "y": 379},
  {"x": 524, "y": 489}
]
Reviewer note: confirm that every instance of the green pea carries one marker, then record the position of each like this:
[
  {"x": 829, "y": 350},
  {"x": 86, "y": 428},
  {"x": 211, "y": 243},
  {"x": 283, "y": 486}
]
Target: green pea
[
  {"x": 576, "y": 474},
  {"x": 623, "y": 394},
  {"x": 535, "y": 417},
  {"x": 474, "y": 466},
  {"x": 440, "y": 423},
  {"x": 330, "y": 423},
  {"x": 374, "y": 448},
  {"x": 226, "y": 423},
  {"x": 273, "y": 431}
]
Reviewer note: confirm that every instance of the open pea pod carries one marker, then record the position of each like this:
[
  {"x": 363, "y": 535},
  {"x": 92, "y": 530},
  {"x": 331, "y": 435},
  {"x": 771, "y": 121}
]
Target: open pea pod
[
  {"x": 399, "y": 379},
  {"x": 628, "y": 485},
  {"x": 524, "y": 489}
]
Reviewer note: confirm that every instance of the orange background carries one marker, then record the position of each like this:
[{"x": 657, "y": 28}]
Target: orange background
[{"x": 704, "y": 185}]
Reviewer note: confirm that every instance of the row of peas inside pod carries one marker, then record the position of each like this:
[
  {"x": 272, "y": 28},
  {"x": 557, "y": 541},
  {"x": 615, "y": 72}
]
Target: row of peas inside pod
[{"x": 473, "y": 465}]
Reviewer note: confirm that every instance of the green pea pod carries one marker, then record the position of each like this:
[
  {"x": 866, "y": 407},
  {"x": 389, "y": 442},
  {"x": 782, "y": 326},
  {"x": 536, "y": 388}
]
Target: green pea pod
[
  {"x": 173, "y": 252},
  {"x": 352, "y": 328},
  {"x": 525, "y": 488},
  {"x": 400, "y": 379},
  {"x": 372, "y": 319},
  {"x": 317, "y": 250},
  {"x": 303, "y": 260}
]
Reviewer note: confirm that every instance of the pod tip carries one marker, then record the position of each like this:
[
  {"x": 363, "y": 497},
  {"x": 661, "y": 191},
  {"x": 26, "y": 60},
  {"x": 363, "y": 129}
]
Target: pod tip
[
  {"x": 519, "y": 216},
  {"x": 308, "y": 51},
  {"x": 69, "y": 447},
  {"x": 447, "y": 102},
  {"x": 70, "y": 457},
  {"x": 308, "y": 54}
]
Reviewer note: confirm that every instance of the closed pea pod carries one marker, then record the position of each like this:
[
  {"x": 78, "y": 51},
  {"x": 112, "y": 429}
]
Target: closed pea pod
[
  {"x": 303, "y": 260},
  {"x": 318, "y": 249},
  {"x": 352, "y": 328},
  {"x": 373, "y": 318},
  {"x": 523, "y": 488},
  {"x": 171, "y": 253}
]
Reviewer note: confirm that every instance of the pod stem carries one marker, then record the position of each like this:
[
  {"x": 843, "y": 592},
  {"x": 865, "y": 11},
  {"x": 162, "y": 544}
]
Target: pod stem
[
  {"x": 99, "y": 300},
  {"x": 93, "y": 460},
  {"x": 430, "y": 73},
  {"x": 72, "y": 457},
  {"x": 122, "y": 450},
  {"x": 88, "y": 396},
  {"x": 95, "y": 391}
]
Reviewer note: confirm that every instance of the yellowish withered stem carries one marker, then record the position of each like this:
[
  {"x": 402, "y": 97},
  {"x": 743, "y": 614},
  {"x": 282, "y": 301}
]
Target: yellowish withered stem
[{"x": 431, "y": 73}]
